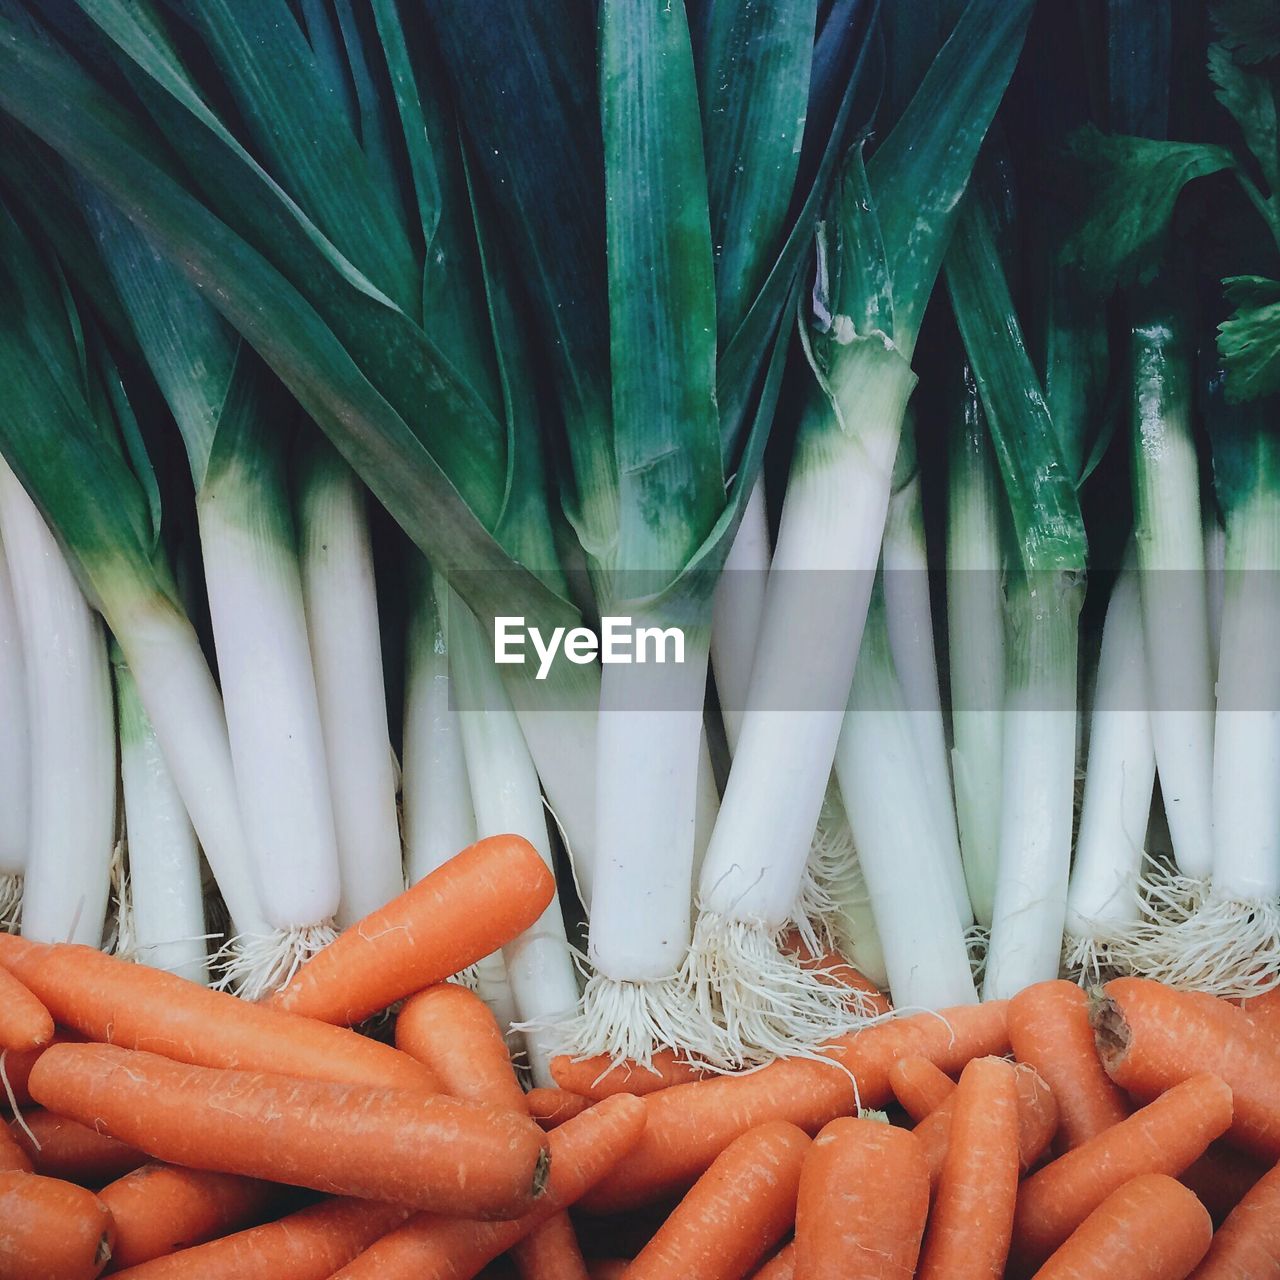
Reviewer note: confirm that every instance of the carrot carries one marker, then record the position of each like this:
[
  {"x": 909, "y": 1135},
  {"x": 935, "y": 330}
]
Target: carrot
[
  {"x": 1049, "y": 1030},
  {"x": 1247, "y": 1245},
  {"x": 51, "y": 1230},
  {"x": 15, "y": 1069},
  {"x": 24, "y": 1022},
  {"x": 1165, "y": 1137},
  {"x": 864, "y": 1196},
  {"x": 12, "y": 1157},
  {"x": 782, "y": 1266},
  {"x": 735, "y": 1213},
  {"x": 608, "y": 1268},
  {"x": 432, "y": 1247},
  {"x": 308, "y": 1245},
  {"x": 452, "y": 1031},
  {"x": 160, "y": 1209},
  {"x": 381, "y": 1144},
  {"x": 137, "y": 1007},
  {"x": 690, "y": 1125},
  {"x": 971, "y": 1222},
  {"x": 919, "y": 1086},
  {"x": 1037, "y": 1123},
  {"x": 1151, "y": 1228},
  {"x": 552, "y": 1107},
  {"x": 1221, "y": 1178},
  {"x": 58, "y": 1147},
  {"x": 864, "y": 996},
  {"x": 1264, "y": 1012},
  {"x": 475, "y": 903},
  {"x": 1150, "y": 1037},
  {"x": 601, "y": 1077}
]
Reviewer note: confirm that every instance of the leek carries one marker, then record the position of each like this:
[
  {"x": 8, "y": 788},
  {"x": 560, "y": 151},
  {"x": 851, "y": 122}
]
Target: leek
[
  {"x": 894, "y": 226},
  {"x": 162, "y": 901},
  {"x": 72, "y": 733},
  {"x": 336, "y": 559},
  {"x": 15, "y": 800}
]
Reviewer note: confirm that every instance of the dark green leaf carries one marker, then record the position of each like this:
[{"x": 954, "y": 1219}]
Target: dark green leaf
[
  {"x": 1129, "y": 188},
  {"x": 1251, "y": 101},
  {"x": 1249, "y": 341},
  {"x": 1250, "y": 28}
]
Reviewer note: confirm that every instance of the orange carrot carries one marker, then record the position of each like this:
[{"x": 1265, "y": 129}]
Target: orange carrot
[
  {"x": 51, "y": 1230},
  {"x": 919, "y": 1086},
  {"x": 782, "y": 1266},
  {"x": 1221, "y": 1178},
  {"x": 138, "y": 1007},
  {"x": 15, "y": 1068},
  {"x": 864, "y": 1195},
  {"x": 1150, "y": 1037},
  {"x": 12, "y": 1157},
  {"x": 381, "y": 1144},
  {"x": 971, "y": 1222},
  {"x": 1264, "y": 1012},
  {"x": 452, "y": 1031},
  {"x": 864, "y": 996},
  {"x": 601, "y": 1077},
  {"x": 431, "y": 1247},
  {"x": 735, "y": 1213},
  {"x": 691, "y": 1124},
  {"x": 308, "y": 1245},
  {"x": 1037, "y": 1123},
  {"x": 1166, "y": 1136},
  {"x": 552, "y": 1107},
  {"x": 160, "y": 1209},
  {"x": 1247, "y": 1245},
  {"x": 1049, "y": 1030},
  {"x": 24, "y": 1022},
  {"x": 58, "y": 1147},
  {"x": 1151, "y": 1228},
  {"x": 475, "y": 903}
]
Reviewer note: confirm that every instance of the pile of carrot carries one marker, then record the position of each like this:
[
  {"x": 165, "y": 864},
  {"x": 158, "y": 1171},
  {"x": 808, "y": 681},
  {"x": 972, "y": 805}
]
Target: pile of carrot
[{"x": 161, "y": 1130}]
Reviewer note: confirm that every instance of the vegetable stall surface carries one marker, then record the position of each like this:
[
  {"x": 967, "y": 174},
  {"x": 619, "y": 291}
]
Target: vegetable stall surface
[{"x": 717, "y": 560}]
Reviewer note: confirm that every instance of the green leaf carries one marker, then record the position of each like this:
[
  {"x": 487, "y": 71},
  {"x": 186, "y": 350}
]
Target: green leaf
[
  {"x": 1252, "y": 103},
  {"x": 1128, "y": 188},
  {"x": 754, "y": 76},
  {"x": 1250, "y": 28},
  {"x": 920, "y": 171},
  {"x": 1249, "y": 341},
  {"x": 1037, "y": 478},
  {"x": 53, "y": 97},
  {"x": 662, "y": 316}
]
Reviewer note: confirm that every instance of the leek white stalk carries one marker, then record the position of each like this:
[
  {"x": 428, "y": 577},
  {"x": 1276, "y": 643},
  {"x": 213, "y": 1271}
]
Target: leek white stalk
[
  {"x": 1038, "y": 787},
  {"x": 15, "y": 755},
  {"x": 1103, "y": 905},
  {"x": 909, "y": 612},
  {"x": 346, "y": 652},
  {"x": 72, "y": 732},
  {"x": 273, "y": 720},
  {"x": 439, "y": 819},
  {"x": 1230, "y": 945},
  {"x": 822, "y": 572},
  {"x": 885, "y": 791},
  {"x": 737, "y": 609},
  {"x": 507, "y": 798},
  {"x": 164, "y": 894},
  {"x": 975, "y": 642},
  {"x": 1170, "y": 543},
  {"x": 1215, "y": 566}
]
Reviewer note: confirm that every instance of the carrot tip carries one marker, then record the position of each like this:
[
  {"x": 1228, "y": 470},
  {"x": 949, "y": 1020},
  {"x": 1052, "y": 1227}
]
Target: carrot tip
[
  {"x": 103, "y": 1255},
  {"x": 1110, "y": 1029},
  {"x": 541, "y": 1172}
]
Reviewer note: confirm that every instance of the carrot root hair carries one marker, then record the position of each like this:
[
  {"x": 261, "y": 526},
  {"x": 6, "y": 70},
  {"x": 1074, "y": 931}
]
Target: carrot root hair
[
  {"x": 759, "y": 1003},
  {"x": 255, "y": 965}
]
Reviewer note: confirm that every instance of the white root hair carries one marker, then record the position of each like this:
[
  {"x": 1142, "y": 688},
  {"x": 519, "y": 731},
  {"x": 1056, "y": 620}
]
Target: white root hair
[
  {"x": 10, "y": 903},
  {"x": 755, "y": 1001},
  {"x": 254, "y": 965}
]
